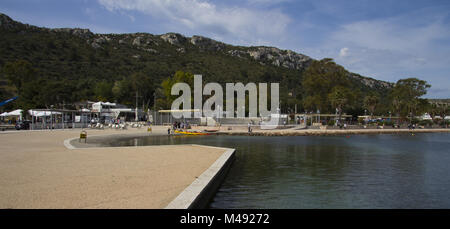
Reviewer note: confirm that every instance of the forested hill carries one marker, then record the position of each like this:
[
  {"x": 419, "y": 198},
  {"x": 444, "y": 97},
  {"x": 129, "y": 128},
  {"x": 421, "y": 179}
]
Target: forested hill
[{"x": 62, "y": 66}]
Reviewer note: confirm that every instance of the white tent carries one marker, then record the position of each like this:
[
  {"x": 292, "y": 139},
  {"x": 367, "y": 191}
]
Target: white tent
[
  {"x": 426, "y": 116},
  {"x": 43, "y": 113},
  {"x": 17, "y": 112},
  {"x": 447, "y": 117},
  {"x": 98, "y": 106}
]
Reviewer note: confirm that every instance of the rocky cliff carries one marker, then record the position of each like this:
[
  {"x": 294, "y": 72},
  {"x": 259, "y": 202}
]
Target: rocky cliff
[{"x": 155, "y": 45}]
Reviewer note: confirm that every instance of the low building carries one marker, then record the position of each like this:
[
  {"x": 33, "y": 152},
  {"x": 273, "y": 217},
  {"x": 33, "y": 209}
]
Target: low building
[{"x": 440, "y": 102}]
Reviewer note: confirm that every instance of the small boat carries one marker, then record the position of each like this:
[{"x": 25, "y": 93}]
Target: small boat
[
  {"x": 211, "y": 131},
  {"x": 190, "y": 132}
]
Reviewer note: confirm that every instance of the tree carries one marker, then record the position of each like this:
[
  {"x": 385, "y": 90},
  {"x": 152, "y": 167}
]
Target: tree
[
  {"x": 124, "y": 91},
  {"x": 319, "y": 80},
  {"x": 405, "y": 96},
  {"x": 23, "y": 77},
  {"x": 371, "y": 102},
  {"x": 19, "y": 73},
  {"x": 103, "y": 91},
  {"x": 340, "y": 97},
  {"x": 179, "y": 77},
  {"x": 144, "y": 86}
]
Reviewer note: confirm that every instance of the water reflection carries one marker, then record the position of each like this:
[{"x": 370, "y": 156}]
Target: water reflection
[{"x": 366, "y": 171}]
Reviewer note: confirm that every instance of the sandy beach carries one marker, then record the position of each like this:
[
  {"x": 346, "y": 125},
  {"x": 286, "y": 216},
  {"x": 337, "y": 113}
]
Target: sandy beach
[{"x": 38, "y": 171}]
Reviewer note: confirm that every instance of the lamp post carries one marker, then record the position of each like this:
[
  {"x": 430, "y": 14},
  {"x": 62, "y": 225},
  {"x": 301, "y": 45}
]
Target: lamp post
[
  {"x": 336, "y": 117},
  {"x": 365, "y": 116},
  {"x": 318, "y": 112},
  {"x": 305, "y": 118}
]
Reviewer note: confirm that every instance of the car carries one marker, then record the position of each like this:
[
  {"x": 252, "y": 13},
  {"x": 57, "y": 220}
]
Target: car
[{"x": 23, "y": 125}]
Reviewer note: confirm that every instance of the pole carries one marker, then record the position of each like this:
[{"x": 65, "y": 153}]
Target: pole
[
  {"x": 51, "y": 120},
  {"x": 136, "y": 111},
  {"x": 318, "y": 111}
]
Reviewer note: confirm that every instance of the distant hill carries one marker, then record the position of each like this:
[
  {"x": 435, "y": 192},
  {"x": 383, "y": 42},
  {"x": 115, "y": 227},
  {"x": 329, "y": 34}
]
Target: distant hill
[{"x": 73, "y": 62}]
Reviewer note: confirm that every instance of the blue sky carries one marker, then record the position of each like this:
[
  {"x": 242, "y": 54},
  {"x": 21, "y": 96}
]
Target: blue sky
[{"x": 384, "y": 39}]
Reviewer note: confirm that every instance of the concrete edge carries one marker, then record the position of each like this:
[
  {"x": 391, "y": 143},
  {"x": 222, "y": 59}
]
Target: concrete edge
[
  {"x": 200, "y": 192},
  {"x": 213, "y": 147},
  {"x": 68, "y": 145}
]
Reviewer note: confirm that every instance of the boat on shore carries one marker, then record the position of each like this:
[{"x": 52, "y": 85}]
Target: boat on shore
[{"x": 190, "y": 132}]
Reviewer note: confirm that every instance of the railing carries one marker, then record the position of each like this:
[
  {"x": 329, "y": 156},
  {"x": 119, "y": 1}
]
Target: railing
[{"x": 44, "y": 126}]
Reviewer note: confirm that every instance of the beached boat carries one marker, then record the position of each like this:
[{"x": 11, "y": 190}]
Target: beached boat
[{"x": 190, "y": 132}]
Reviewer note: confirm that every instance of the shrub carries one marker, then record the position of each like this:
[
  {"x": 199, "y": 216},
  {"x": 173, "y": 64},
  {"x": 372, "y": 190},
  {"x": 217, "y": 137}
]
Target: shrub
[
  {"x": 416, "y": 121},
  {"x": 360, "y": 120},
  {"x": 331, "y": 122},
  {"x": 425, "y": 123},
  {"x": 445, "y": 122}
]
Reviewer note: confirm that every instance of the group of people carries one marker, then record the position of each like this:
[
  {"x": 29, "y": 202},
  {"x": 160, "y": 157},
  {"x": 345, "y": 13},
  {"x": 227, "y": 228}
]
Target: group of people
[
  {"x": 178, "y": 125},
  {"x": 342, "y": 126},
  {"x": 181, "y": 125},
  {"x": 412, "y": 126}
]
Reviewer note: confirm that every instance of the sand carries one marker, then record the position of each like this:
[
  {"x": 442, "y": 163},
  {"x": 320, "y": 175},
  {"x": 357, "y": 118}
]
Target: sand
[{"x": 38, "y": 171}]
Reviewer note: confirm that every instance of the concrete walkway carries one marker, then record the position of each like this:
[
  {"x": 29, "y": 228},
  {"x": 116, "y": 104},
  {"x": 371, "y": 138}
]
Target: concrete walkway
[{"x": 38, "y": 171}]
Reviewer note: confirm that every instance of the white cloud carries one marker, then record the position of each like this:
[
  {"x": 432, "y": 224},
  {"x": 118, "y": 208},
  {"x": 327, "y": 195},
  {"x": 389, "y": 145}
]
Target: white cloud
[
  {"x": 392, "y": 35},
  {"x": 235, "y": 24},
  {"x": 408, "y": 45},
  {"x": 343, "y": 52},
  {"x": 267, "y": 2}
]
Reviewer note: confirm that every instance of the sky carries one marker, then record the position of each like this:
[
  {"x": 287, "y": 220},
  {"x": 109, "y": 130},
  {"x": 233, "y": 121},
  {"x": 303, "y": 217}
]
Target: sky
[{"x": 383, "y": 39}]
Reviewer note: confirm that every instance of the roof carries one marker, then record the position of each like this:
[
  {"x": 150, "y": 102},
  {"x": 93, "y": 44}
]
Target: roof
[
  {"x": 42, "y": 113},
  {"x": 17, "y": 112}
]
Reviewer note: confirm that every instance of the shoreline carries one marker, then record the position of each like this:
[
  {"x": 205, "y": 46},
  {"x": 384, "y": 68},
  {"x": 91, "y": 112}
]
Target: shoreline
[
  {"x": 335, "y": 132},
  {"x": 295, "y": 131},
  {"x": 98, "y": 141}
]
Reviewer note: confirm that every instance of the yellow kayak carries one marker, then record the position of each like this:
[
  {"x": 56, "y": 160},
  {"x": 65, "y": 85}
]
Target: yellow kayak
[{"x": 190, "y": 133}]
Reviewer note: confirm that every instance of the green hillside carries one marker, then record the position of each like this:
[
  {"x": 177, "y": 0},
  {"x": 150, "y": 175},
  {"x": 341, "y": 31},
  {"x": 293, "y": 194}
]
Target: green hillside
[{"x": 71, "y": 65}]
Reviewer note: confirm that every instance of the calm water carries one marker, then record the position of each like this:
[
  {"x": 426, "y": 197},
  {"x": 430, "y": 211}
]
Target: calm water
[{"x": 364, "y": 171}]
